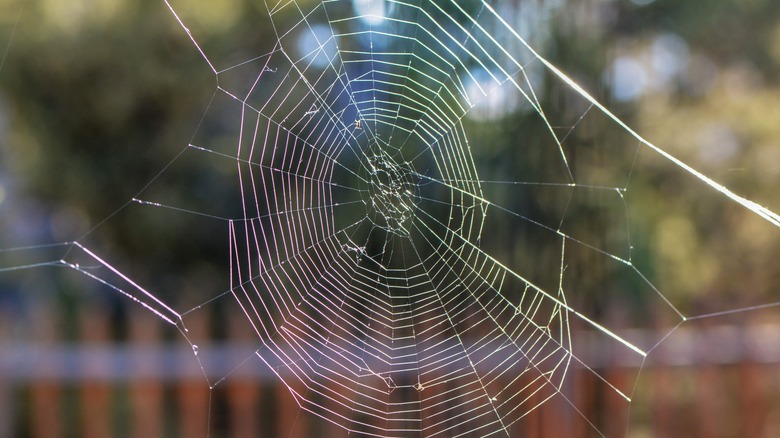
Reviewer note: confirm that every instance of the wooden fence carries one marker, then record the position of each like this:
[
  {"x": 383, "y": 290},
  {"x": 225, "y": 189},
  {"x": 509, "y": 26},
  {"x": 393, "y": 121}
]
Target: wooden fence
[{"x": 708, "y": 382}]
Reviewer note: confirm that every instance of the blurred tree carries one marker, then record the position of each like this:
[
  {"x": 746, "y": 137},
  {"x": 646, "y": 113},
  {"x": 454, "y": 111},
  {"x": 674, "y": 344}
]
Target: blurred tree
[{"x": 102, "y": 96}]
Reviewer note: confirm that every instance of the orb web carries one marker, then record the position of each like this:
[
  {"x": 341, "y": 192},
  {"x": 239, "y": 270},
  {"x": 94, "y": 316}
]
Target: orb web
[
  {"x": 368, "y": 253},
  {"x": 358, "y": 259}
]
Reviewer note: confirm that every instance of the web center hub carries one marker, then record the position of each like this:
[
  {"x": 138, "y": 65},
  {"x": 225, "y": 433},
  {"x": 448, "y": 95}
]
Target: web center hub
[{"x": 391, "y": 193}]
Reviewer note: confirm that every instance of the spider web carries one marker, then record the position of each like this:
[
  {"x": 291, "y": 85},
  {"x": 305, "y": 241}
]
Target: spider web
[{"x": 366, "y": 255}]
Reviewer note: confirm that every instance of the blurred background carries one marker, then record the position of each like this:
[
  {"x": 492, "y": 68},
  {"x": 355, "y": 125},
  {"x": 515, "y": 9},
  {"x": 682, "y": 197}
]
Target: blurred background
[{"x": 97, "y": 97}]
